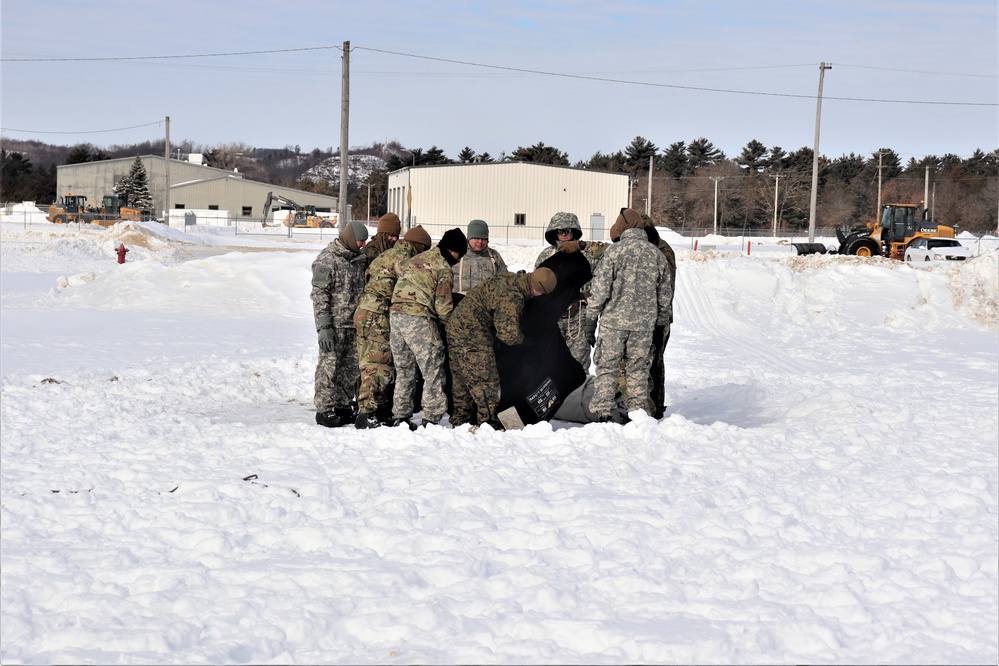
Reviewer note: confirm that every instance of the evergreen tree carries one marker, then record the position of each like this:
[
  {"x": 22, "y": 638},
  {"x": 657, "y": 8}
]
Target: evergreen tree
[
  {"x": 801, "y": 160},
  {"x": 541, "y": 154},
  {"x": 638, "y": 152},
  {"x": 612, "y": 162},
  {"x": 85, "y": 152},
  {"x": 436, "y": 155},
  {"x": 752, "y": 157},
  {"x": 777, "y": 160},
  {"x": 891, "y": 163},
  {"x": 702, "y": 153},
  {"x": 674, "y": 159},
  {"x": 134, "y": 188},
  {"x": 844, "y": 169},
  {"x": 466, "y": 156},
  {"x": 15, "y": 170}
]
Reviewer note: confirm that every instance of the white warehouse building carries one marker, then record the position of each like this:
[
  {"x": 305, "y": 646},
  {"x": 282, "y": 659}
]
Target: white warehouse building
[{"x": 516, "y": 199}]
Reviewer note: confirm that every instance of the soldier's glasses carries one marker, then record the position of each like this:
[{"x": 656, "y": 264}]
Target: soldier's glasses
[{"x": 563, "y": 232}]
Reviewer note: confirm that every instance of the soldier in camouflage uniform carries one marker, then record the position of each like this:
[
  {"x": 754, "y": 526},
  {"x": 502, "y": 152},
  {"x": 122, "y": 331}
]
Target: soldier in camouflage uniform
[
  {"x": 657, "y": 379},
  {"x": 386, "y": 234},
  {"x": 660, "y": 336},
  {"x": 630, "y": 294},
  {"x": 489, "y": 312},
  {"x": 421, "y": 303},
  {"x": 337, "y": 283},
  {"x": 563, "y": 235},
  {"x": 480, "y": 262},
  {"x": 374, "y": 350}
]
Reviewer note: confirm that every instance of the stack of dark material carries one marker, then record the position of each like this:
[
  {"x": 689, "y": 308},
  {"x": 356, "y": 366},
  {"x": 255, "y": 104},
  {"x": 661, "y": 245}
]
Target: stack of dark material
[{"x": 536, "y": 376}]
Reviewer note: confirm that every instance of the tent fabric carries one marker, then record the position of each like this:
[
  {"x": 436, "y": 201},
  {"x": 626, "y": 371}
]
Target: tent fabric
[{"x": 537, "y": 375}]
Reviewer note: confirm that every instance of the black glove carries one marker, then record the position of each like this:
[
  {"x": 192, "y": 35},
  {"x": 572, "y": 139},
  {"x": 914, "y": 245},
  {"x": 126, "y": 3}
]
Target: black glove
[
  {"x": 658, "y": 336},
  {"x": 324, "y": 327},
  {"x": 326, "y": 339},
  {"x": 590, "y": 331}
]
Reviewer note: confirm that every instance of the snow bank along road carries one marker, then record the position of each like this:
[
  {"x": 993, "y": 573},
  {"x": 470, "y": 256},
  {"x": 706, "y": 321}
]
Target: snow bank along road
[{"x": 822, "y": 488}]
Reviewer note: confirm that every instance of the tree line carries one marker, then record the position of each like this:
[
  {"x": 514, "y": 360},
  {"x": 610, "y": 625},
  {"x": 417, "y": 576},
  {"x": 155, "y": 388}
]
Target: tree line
[
  {"x": 760, "y": 188},
  {"x": 763, "y": 187}
]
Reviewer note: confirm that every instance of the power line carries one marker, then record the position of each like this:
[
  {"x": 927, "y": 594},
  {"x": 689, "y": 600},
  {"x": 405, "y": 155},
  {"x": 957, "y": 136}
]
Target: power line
[
  {"x": 117, "y": 129},
  {"x": 537, "y": 72},
  {"x": 668, "y": 85},
  {"x": 919, "y": 71},
  {"x": 169, "y": 57}
]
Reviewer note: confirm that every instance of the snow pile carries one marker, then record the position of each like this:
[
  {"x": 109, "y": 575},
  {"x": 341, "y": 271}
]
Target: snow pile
[{"x": 823, "y": 488}]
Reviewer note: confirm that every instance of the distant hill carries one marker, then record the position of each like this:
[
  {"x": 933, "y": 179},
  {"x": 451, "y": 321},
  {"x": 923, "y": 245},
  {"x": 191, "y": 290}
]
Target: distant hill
[{"x": 278, "y": 166}]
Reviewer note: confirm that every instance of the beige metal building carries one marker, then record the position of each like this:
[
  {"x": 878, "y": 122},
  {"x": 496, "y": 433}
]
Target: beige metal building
[
  {"x": 192, "y": 186},
  {"x": 516, "y": 199}
]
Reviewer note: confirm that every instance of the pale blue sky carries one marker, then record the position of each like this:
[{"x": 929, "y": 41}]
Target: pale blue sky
[{"x": 728, "y": 71}]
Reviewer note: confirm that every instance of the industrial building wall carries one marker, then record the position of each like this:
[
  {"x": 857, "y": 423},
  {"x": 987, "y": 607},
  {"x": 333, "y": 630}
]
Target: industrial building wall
[
  {"x": 243, "y": 198},
  {"x": 192, "y": 186},
  {"x": 516, "y": 199}
]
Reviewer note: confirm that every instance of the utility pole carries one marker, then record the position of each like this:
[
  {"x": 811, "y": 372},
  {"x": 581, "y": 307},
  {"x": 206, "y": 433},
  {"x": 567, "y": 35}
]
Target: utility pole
[
  {"x": 815, "y": 158},
  {"x": 648, "y": 200},
  {"x": 344, "y": 112},
  {"x": 926, "y": 194},
  {"x": 776, "y": 187},
  {"x": 166, "y": 175},
  {"x": 369, "y": 201},
  {"x": 877, "y": 213},
  {"x": 716, "y": 179}
]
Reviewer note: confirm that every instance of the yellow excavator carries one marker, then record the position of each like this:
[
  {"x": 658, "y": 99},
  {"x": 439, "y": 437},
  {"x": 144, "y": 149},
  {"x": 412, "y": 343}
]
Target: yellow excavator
[
  {"x": 299, "y": 216},
  {"x": 900, "y": 225}
]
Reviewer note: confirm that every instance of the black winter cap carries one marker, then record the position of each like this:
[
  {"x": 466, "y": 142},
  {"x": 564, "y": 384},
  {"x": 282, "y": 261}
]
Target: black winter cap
[{"x": 454, "y": 239}]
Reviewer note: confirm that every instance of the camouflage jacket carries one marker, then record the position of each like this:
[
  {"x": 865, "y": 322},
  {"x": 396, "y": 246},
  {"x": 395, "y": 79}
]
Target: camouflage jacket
[
  {"x": 475, "y": 267},
  {"x": 337, "y": 283},
  {"x": 670, "y": 255},
  {"x": 372, "y": 249},
  {"x": 381, "y": 277},
  {"x": 592, "y": 250},
  {"x": 423, "y": 287},
  {"x": 493, "y": 309},
  {"x": 632, "y": 287}
]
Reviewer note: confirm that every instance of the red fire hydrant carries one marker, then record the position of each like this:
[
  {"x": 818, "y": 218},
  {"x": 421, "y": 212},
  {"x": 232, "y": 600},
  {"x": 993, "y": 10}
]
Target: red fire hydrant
[{"x": 121, "y": 252}]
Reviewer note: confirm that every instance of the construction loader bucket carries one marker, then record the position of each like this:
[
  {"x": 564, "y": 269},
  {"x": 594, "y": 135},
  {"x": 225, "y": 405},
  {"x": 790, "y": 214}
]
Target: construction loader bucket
[{"x": 810, "y": 248}]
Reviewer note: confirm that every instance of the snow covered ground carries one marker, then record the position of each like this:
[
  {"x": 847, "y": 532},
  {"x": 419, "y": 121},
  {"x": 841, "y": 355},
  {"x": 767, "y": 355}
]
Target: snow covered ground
[{"x": 823, "y": 489}]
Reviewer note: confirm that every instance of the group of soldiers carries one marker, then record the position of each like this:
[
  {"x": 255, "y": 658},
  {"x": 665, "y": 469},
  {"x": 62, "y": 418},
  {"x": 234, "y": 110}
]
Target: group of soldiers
[{"x": 392, "y": 312}]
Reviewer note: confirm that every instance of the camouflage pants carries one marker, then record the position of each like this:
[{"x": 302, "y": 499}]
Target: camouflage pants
[
  {"x": 657, "y": 378},
  {"x": 417, "y": 343},
  {"x": 614, "y": 347},
  {"x": 374, "y": 359},
  {"x": 475, "y": 382},
  {"x": 337, "y": 373},
  {"x": 572, "y": 324},
  {"x": 657, "y": 375}
]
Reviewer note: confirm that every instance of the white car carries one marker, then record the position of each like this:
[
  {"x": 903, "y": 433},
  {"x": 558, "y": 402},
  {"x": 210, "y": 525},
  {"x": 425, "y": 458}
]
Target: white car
[{"x": 937, "y": 249}]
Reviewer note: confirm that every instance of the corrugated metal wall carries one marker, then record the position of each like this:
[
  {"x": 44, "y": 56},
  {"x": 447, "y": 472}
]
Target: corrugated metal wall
[
  {"x": 452, "y": 195},
  {"x": 191, "y": 186}
]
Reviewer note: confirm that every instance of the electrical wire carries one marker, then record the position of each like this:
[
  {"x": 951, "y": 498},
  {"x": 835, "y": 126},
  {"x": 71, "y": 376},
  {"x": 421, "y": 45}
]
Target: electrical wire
[
  {"x": 536, "y": 72},
  {"x": 169, "y": 57},
  {"x": 117, "y": 129},
  {"x": 670, "y": 85}
]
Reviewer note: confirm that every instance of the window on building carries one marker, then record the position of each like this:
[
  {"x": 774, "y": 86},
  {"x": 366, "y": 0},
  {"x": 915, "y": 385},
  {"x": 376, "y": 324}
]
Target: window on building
[
  {"x": 179, "y": 206},
  {"x": 247, "y": 211},
  {"x": 520, "y": 219},
  {"x": 213, "y": 206}
]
